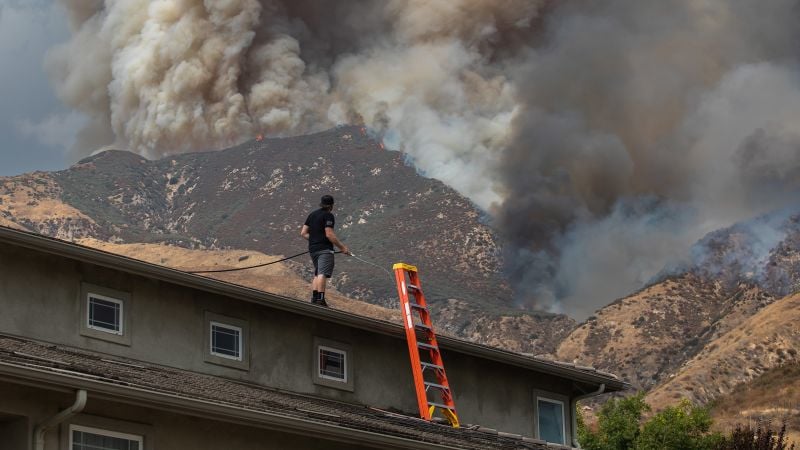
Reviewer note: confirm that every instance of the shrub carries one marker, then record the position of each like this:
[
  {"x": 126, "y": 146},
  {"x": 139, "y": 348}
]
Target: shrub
[
  {"x": 682, "y": 427},
  {"x": 762, "y": 438},
  {"x": 617, "y": 424}
]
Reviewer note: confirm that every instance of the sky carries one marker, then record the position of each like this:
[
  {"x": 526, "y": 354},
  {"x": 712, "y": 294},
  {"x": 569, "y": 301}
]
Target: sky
[{"x": 35, "y": 126}]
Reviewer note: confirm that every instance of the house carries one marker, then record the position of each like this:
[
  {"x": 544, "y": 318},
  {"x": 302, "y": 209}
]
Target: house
[{"x": 103, "y": 351}]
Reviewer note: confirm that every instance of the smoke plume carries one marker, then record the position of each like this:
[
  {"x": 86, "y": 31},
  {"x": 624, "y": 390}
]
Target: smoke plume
[{"x": 603, "y": 138}]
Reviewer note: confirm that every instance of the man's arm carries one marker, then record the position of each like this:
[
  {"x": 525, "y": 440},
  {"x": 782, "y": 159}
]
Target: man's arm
[
  {"x": 335, "y": 241},
  {"x": 304, "y": 232}
]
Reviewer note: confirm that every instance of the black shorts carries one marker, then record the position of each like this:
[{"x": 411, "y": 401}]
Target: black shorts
[{"x": 323, "y": 263}]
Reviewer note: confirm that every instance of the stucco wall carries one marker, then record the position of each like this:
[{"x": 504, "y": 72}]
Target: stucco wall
[{"x": 40, "y": 298}]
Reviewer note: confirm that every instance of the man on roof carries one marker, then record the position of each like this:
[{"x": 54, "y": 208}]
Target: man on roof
[{"x": 318, "y": 230}]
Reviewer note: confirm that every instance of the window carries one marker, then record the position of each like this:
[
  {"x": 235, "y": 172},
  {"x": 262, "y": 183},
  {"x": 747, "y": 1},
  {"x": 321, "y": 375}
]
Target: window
[
  {"x": 85, "y": 438},
  {"x": 332, "y": 364},
  {"x": 104, "y": 313},
  {"x": 226, "y": 341},
  {"x": 550, "y": 420}
]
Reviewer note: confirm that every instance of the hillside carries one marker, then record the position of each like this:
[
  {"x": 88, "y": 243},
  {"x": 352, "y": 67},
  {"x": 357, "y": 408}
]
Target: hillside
[
  {"x": 647, "y": 336},
  {"x": 772, "y": 396},
  {"x": 33, "y": 202},
  {"x": 751, "y": 372},
  {"x": 767, "y": 340}
]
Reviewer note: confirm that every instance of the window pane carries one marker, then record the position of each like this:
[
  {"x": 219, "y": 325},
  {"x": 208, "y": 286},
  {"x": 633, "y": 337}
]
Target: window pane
[
  {"x": 104, "y": 314},
  {"x": 331, "y": 364},
  {"x": 82, "y": 440},
  {"x": 225, "y": 341},
  {"x": 551, "y": 421}
]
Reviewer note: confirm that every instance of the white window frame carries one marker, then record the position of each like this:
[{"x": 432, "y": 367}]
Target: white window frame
[
  {"x": 230, "y": 327},
  {"x": 320, "y": 373},
  {"x": 327, "y": 381},
  {"x": 108, "y": 433},
  {"x": 119, "y": 302},
  {"x": 563, "y": 417}
]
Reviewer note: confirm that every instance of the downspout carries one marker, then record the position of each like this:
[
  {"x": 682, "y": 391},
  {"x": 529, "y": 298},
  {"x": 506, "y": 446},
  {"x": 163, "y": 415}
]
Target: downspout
[
  {"x": 573, "y": 404},
  {"x": 41, "y": 429}
]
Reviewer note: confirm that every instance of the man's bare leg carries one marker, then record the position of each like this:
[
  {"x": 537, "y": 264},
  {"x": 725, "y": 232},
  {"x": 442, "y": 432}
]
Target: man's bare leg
[
  {"x": 314, "y": 287},
  {"x": 320, "y": 282}
]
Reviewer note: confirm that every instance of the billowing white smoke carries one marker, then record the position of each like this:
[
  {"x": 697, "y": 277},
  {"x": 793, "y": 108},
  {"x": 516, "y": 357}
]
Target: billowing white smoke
[
  {"x": 603, "y": 137},
  {"x": 169, "y": 76}
]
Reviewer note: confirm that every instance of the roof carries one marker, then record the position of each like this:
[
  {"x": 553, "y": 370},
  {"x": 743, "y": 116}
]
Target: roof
[
  {"x": 126, "y": 380},
  {"x": 134, "y": 266}
]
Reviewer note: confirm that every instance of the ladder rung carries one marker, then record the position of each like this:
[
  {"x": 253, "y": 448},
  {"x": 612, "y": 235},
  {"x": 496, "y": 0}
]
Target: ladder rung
[
  {"x": 412, "y": 287},
  {"x": 431, "y": 366},
  {"x": 440, "y": 405},
  {"x": 437, "y": 386},
  {"x": 417, "y": 306},
  {"x": 428, "y": 346},
  {"x": 422, "y": 327}
]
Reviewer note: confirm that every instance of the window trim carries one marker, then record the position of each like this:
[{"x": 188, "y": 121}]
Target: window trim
[
  {"x": 555, "y": 399},
  {"x": 121, "y": 303},
  {"x": 124, "y": 299},
  {"x": 102, "y": 432},
  {"x": 320, "y": 348},
  {"x": 243, "y": 362},
  {"x": 240, "y": 344},
  {"x": 346, "y": 384}
]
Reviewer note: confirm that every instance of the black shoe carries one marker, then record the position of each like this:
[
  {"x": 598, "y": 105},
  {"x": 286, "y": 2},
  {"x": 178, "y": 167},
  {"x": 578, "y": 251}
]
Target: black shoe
[{"x": 319, "y": 302}]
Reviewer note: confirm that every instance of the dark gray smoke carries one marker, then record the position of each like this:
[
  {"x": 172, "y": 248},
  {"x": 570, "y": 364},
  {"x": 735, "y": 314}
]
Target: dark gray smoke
[
  {"x": 603, "y": 137},
  {"x": 643, "y": 126}
]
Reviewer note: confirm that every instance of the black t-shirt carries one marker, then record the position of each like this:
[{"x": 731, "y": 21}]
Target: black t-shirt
[{"x": 317, "y": 221}]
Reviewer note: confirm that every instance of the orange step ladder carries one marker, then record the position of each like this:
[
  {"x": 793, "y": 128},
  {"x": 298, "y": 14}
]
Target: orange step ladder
[{"x": 412, "y": 300}]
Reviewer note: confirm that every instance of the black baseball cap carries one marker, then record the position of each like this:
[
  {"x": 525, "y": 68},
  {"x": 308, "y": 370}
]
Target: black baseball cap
[{"x": 326, "y": 200}]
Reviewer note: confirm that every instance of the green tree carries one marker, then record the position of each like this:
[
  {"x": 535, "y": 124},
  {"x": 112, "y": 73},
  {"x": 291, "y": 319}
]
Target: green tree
[
  {"x": 620, "y": 427},
  {"x": 617, "y": 424},
  {"x": 681, "y": 427}
]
